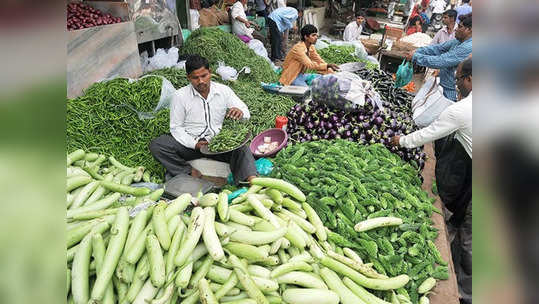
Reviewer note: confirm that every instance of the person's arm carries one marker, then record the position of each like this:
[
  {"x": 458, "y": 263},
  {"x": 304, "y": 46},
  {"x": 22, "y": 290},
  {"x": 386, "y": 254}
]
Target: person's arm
[
  {"x": 235, "y": 13},
  {"x": 233, "y": 101},
  {"x": 435, "y": 50},
  {"x": 177, "y": 120},
  {"x": 447, "y": 59},
  {"x": 447, "y": 123}
]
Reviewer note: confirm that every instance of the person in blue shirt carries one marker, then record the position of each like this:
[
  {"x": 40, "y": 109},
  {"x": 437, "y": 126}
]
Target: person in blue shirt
[
  {"x": 447, "y": 56},
  {"x": 464, "y": 9},
  {"x": 280, "y": 20}
]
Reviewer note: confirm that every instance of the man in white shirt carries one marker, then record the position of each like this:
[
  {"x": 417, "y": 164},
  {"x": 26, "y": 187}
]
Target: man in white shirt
[
  {"x": 354, "y": 28},
  {"x": 454, "y": 173},
  {"x": 240, "y": 25},
  {"x": 197, "y": 112},
  {"x": 455, "y": 118},
  {"x": 448, "y": 31}
]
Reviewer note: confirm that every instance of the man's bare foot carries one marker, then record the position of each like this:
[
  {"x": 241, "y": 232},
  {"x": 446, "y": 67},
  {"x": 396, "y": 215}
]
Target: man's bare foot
[{"x": 195, "y": 173}]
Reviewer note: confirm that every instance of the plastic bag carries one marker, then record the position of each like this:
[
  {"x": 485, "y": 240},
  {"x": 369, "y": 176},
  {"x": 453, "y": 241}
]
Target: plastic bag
[
  {"x": 195, "y": 15},
  {"x": 323, "y": 42},
  {"x": 429, "y": 103},
  {"x": 359, "y": 48},
  {"x": 345, "y": 91},
  {"x": 405, "y": 73},
  {"x": 351, "y": 66},
  {"x": 162, "y": 59},
  {"x": 167, "y": 93},
  {"x": 263, "y": 165},
  {"x": 226, "y": 72}
]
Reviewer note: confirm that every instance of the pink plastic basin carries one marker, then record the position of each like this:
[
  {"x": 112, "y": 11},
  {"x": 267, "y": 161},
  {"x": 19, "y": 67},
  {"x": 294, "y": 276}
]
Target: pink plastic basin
[{"x": 277, "y": 135}]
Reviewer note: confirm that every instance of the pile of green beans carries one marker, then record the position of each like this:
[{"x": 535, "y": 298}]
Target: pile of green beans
[
  {"x": 263, "y": 106},
  {"x": 217, "y": 45},
  {"x": 232, "y": 134},
  {"x": 343, "y": 54},
  {"x": 100, "y": 121}
]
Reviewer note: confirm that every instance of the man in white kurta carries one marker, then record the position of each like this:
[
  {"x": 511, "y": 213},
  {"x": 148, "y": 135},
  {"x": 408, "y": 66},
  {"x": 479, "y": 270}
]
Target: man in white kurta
[{"x": 354, "y": 28}]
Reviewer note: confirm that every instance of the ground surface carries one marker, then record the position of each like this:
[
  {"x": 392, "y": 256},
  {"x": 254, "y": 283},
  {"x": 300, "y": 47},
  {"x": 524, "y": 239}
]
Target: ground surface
[{"x": 446, "y": 292}]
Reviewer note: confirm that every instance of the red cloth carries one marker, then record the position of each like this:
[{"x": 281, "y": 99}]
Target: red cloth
[{"x": 413, "y": 29}]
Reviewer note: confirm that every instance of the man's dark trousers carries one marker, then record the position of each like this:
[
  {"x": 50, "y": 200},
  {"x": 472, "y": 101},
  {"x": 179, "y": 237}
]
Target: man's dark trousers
[{"x": 174, "y": 157}]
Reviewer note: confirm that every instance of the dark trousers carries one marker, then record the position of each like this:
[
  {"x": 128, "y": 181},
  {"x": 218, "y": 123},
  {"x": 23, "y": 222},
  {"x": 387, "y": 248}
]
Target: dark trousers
[
  {"x": 454, "y": 181},
  {"x": 174, "y": 157},
  {"x": 263, "y": 13},
  {"x": 461, "y": 251},
  {"x": 275, "y": 38}
]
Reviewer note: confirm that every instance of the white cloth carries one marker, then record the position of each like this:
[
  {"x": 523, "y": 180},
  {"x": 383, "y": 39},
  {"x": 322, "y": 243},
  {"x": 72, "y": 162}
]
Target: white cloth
[
  {"x": 438, "y": 6},
  {"x": 455, "y": 118},
  {"x": 239, "y": 28},
  {"x": 391, "y": 9},
  {"x": 281, "y": 3},
  {"x": 352, "y": 31},
  {"x": 192, "y": 117}
]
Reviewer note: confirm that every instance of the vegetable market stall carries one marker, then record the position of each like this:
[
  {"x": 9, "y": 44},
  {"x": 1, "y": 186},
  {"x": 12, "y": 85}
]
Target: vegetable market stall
[{"x": 273, "y": 237}]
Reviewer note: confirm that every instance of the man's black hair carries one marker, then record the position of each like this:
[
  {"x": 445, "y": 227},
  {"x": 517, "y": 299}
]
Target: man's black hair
[
  {"x": 361, "y": 13},
  {"x": 307, "y": 30},
  {"x": 466, "y": 20},
  {"x": 195, "y": 62},
  {"x": 466, "y": 69},
  {"x": 451, "y": 13},
  {"x": 465, "y": 1}
]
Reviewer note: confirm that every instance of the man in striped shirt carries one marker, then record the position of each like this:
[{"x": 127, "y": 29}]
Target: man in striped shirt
[{"x": 447, "y": 56}]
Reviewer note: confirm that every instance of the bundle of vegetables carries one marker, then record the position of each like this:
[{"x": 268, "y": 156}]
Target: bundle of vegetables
[
  {"x": 343, "y": 54},
  {"x": 367, "y": 125},
  {"x": 231, "y": 135},
  {"x": 217, "y": 45},
  {"x": 374, "y": 203},
  {"x": 81, "y": 16},
  {"x": 268, "y": 246},
  {"x": 263, "y": 106},
  {"x": 104, "y": 120},
  {"x": 397, "y": 98}
]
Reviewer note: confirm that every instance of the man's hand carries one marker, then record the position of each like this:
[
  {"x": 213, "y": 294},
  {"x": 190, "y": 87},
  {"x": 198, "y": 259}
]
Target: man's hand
[
  {"x": 234, "y": 113},
  {"x": 200, "y": 143},
  {"x": 395, "y": 140},
  {"x": 333, "y": 66},
  {"x": 410, "y": 55},
  {"x": 247, "y": 23}
]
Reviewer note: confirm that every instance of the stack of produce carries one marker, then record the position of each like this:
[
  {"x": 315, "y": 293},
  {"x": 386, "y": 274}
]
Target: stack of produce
[
  {"x": 263, "y": 106},
  {"x": 268, "y": 246},
  {"x": 347, "y": 184},
  {"x": 397, "y": 98},
  {"x": 104, "y": 119},
  {"x": 216, "y": 45},
  {"x": 232, "y": 134},
  {"x": 366, "y": 126},
  {"x": 343, "y": 54},
  {"x": 81, "y": 16}
]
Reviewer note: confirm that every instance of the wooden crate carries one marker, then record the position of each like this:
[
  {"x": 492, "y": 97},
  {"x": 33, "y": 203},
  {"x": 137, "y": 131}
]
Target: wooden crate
[
  {"x": 394, "y": 33},
  {"x": 102, "y": 52}
]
